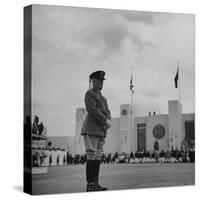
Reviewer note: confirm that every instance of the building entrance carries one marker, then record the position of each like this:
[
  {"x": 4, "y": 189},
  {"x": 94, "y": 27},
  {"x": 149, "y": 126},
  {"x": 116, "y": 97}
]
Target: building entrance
[
  {"x": 141, "y": 137},
  {"x": 189, "y": 130}
]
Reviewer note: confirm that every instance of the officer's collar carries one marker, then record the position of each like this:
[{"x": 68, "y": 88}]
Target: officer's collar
[{"x": 97, "y": 91}]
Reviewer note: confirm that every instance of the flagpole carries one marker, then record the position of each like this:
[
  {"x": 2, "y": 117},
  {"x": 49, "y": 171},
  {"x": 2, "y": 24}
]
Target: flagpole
[
  {"x": 131, "y": 119},
  {"x": 179, "y": 82},
  {"x": 131, "y": 111},
  {"x": 179, "y": 86}
]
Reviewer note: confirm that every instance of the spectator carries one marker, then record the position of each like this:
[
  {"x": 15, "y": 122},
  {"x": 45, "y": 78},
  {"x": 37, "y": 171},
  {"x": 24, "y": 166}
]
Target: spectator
[
  {"x": 64, "y": 159},
  {"x": 50, "y": 159},
  {"x": 58, "y": 158}
]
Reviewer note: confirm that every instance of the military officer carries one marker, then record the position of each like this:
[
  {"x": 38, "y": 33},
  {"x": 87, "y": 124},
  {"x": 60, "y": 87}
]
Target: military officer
[{"x": 94, "y": 130}]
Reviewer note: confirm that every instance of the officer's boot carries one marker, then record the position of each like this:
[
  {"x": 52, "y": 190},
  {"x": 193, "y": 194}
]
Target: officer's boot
[
  {"x": 90, "y": 169},
  {"x": 96, "y": 176}
]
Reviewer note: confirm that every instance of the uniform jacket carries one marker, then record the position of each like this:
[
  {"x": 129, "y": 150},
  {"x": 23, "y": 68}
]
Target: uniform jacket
[{"x": 98, "y": 113}]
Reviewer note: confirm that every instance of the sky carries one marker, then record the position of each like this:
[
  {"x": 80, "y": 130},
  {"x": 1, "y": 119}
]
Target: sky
[{"x": 69, "y": 43}]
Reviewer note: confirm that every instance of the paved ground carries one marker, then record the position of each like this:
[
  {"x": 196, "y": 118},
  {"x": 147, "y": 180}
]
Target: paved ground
[{"x": 71, "y": 178}]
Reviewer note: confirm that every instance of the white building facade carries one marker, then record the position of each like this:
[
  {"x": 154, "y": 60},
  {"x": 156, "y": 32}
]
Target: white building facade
[{"x": 132, "y": 133}]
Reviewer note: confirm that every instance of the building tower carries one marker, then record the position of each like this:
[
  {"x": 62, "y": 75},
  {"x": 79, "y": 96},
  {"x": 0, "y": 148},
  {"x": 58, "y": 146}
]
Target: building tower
[
  {"x": 126, "y": 128},
  {"x": 175, "y": 124},
  {"x": 78, "y": 140}
]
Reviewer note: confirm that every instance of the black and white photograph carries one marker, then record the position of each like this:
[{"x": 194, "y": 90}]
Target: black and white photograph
[{"x": 109, "y": 99}]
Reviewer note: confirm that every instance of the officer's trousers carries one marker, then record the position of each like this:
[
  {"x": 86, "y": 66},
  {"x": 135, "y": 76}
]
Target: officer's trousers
[{"x": 94, "y": 146}]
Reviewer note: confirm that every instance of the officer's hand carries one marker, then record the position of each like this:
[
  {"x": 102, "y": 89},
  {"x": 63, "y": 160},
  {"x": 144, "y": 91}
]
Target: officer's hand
[{"x": 108, "y": 123}]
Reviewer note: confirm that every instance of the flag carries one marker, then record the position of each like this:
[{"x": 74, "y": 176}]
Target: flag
[
  {"x": 131, "y": 84},
  {"x": 176, "y": 78}
]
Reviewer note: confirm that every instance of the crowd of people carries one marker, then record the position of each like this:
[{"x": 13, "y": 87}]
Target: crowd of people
[
  {"x": 61, "y": 157},
  {"x": 173, "y": 156}
]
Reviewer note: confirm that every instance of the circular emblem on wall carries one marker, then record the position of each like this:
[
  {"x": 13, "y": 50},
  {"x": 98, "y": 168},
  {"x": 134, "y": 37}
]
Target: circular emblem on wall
[{"x": 159, "y": 131}]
